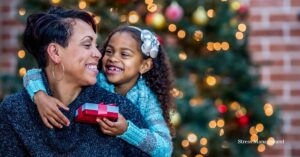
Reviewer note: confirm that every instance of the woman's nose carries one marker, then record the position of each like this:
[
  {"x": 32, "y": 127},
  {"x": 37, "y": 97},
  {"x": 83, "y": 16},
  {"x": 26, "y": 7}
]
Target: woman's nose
[{"x": 97, "y": 54}]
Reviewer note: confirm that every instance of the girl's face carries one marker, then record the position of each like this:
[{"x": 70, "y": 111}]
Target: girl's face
[
  {"x": 80, "y": 58},
  {"x": 122, "y": 61}
]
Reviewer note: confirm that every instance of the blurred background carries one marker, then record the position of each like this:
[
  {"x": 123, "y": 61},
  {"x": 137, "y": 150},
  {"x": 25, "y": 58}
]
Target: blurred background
[{"x": 236, "y": 64}]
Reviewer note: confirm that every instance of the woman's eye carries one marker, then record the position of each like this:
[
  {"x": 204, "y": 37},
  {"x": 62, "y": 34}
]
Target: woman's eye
[{"x": 87, "y": 46}]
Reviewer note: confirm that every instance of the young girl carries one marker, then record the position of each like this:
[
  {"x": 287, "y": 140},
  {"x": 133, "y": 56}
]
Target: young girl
[{"x": 133, "y": 65}]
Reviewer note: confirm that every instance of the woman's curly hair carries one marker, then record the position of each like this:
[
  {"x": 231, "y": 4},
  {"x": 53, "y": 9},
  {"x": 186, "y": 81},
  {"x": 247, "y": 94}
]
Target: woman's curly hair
[{"x": 159, "y": 78}]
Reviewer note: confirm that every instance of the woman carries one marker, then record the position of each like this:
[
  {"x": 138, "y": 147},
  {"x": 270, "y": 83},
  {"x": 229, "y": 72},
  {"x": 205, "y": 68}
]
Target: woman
[{"x": 64, "y": 44}]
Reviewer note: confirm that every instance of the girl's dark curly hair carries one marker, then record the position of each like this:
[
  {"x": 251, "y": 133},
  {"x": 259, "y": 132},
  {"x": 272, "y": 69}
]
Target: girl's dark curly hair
[{"x": 159, "y": 78}]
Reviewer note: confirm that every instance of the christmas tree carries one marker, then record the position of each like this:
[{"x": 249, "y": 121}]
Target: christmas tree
[{"x": 218, "y": 96}]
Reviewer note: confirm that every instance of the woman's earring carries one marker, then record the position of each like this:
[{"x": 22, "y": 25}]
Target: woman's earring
[{"x": 53, "y": 72}]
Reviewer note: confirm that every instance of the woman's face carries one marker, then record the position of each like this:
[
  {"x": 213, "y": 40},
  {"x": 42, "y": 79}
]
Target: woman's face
[
  {"x": 122, "y": 60},
  {"x": 80, "y": 58}
]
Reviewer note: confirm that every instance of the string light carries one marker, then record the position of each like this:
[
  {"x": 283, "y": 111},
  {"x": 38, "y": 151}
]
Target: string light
[
  {"x": 152, "y": 7},
  {"x": 133, "y": 17},
  {"x": 185, "y": 143},
  {"x": 220, "y": 123},
  {"x": 148, "y": 1},
  {"x": 270, "y": 141},
  {"x": 254, "y": 138},
  {"x": 210, "y": 13},
  {"x": 183, "y": 155},
  {"x": 175, "y": 92},
  {"x": 172, "y": 27},
  {"x": 252, "y": 130},
  {"x": 259, "y": 127},
  {"x": 241, "y": 112},
  {"x": 55, "y": 1},
  {"x": 234, "y": 106},
  {"x": 203, "y": 150},
  {"x": 268, "y": 109},
  {"x": 212, "y": 124},
  {"x": 242, "y": 27},
  {"x": 192, "y": 138},
  {"x": 22, "y": 11},
  {"x": 199, "y": 155},
  {"x": 261, "y": 148},
  {"x": 196, "y": 101},
  {"x": 225, "y": 46},
  {"x": 97, "y": 19},
  {"x": 239, "y": 35},
  {"x": 211, "y": 80},
  {"x": 181, "y": 34},
  {"x": 198, "y": 35},
  {"x": 22, "y": 71},
  {"x": 82, "y": 4},
  {"x": 210, "y": 46},
  {"x": 182, "y": 56},
  {"x": 221, "y": 132},
  {"x": 203, "y": 141},
  {"x": 217, "y": 46},
  {"x": 123, "y": 18},
  {"x": 21, "y": 54}
]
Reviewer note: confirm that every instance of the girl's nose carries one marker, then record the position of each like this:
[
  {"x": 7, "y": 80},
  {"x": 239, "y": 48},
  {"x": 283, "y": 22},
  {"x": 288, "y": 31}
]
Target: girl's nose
[{"x": 113, "y": 58}]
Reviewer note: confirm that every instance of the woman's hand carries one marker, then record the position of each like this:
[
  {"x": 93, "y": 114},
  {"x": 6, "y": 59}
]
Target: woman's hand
[
  {"x": 48, "y": 108},
  {"x": 113, "y": 128}
]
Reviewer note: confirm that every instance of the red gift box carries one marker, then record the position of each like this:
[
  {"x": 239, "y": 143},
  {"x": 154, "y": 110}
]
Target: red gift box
[{"x": 89, "y": 112}]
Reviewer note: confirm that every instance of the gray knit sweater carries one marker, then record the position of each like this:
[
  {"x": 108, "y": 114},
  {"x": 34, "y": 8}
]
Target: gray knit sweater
[{"x": 22, "y": 132}]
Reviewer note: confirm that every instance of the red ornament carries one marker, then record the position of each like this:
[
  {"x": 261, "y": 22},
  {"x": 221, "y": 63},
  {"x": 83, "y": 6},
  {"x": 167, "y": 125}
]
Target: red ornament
[
  {"x": 243, "y": 120},
  {"x": 222, "y": 108},
  {"x": 160, "y": 40},
  {"x": 174, "y": 12},
  {"x": 243, "y": 9},
  {"x": 149, "y": 19}
]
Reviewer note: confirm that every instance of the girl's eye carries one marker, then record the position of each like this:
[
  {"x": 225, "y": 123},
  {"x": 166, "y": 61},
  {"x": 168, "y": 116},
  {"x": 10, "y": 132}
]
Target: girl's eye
[
  {"x": 108, "y": 52},
  {"x": 125, "y": 54}
]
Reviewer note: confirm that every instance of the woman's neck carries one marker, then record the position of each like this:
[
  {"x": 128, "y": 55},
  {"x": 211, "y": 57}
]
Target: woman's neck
[{"x": 63, "y": 90}]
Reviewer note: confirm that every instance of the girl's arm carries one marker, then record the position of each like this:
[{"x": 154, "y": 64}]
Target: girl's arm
[
  {"x": 48, "y": 106},
  {"x": 156, "y": 140},
  {"x": 33, "y": 82}
]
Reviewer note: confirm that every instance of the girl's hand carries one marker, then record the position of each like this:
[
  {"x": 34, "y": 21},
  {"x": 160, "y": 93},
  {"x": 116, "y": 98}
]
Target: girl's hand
[
  {"x": 113, "y": 128},
  {"x": 48, "y": 108}
]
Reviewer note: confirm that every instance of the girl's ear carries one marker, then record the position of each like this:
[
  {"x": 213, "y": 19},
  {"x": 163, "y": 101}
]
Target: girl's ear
[
  {"x": 146, "y": 66},
  {"x": 53, "y": 53}
]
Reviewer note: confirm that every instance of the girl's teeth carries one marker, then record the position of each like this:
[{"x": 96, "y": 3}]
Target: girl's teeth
[{"x": 114, "y": 69}]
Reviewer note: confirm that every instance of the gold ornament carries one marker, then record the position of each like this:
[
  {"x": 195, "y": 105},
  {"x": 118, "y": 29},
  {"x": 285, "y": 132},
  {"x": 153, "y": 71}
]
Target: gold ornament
[
  {"x": 200, "y": 17},
  {"x": 175, "y": 119},
  {"x": 158, "y": 21}
]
